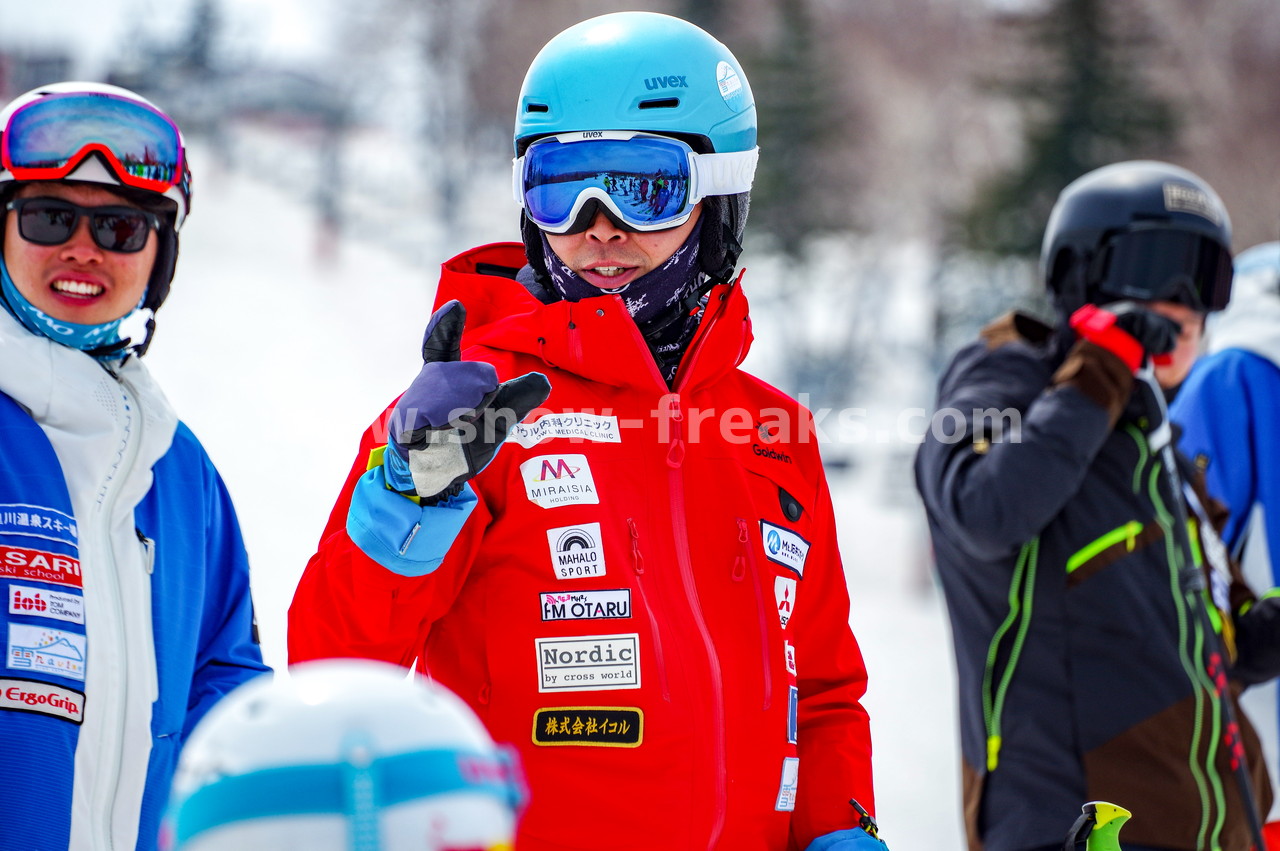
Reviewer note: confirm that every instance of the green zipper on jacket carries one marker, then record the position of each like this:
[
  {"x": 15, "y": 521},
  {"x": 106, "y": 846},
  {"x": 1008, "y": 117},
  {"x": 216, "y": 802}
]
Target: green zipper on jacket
[
  {"x": 1021, "y": 591},
  {"x": 1191, "y": 629},
  {"x": 1128, "y": 532}
]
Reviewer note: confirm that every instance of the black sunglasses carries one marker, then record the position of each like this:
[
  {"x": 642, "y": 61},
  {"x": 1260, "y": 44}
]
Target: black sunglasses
[{"x": 51, "y": 221}]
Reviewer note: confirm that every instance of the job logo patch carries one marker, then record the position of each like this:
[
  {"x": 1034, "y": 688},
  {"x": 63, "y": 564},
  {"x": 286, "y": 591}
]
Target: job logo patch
[
  {"x": 41, "y": 698},
  {"x": 586, "y": 605},
  {"x": 590, "y": 726},
  {"x": 576, "y": 551},
  {"x": 784, "y": 547},
  {"x": 46, "y": 651},
  {"x": 555, "y": 480},
  {"x": 44, "y": 603},
  {"x": 784, "y": 593},
  {"x": 591, "y": 427},
  {"x": 588, "y": 662}
]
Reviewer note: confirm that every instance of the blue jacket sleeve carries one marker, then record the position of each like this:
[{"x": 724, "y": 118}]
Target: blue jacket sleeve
[
  {"x": 229, "y": 653},
  {"x": 1228, "y": 409},
  {"x": 402, "y": 536}
]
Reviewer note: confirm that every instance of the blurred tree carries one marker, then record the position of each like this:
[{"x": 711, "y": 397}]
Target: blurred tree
[{"x": 1085, "y": 104}]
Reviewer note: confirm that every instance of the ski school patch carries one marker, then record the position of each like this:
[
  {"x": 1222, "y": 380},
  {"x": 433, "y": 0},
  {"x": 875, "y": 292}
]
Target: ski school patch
[
  {"x": 39, "y": 566},
  {"x": 589, "y": 726}
]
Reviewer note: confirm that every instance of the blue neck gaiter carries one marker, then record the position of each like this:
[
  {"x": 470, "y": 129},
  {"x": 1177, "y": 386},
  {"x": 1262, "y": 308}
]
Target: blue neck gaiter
[{"x": 103, "y": 337}]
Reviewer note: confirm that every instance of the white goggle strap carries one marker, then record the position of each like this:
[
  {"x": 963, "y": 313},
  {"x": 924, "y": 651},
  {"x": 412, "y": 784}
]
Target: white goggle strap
[{"x": 722, "y": 174}]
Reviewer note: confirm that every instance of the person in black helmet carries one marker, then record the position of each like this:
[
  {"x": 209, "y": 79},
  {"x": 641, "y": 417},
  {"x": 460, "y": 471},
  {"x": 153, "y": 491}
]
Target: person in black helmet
[
  {"x": 126, "y": 580},
  {"x": 1101, "y": 634}
]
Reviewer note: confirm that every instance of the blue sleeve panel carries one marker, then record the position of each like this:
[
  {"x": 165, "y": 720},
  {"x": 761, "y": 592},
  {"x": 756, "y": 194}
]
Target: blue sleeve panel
[
  {"x": 206, "y": 635},
  {"x": 37, "y": 757},
  {"x": 1229, "y": 408},
  {"x": 404, "y": 537}
]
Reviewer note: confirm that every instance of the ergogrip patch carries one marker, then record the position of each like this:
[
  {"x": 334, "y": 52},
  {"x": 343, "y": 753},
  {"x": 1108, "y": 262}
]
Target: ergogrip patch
[
  {"x": 41, "y": 698},
  {"x": 589, "y": 726}
]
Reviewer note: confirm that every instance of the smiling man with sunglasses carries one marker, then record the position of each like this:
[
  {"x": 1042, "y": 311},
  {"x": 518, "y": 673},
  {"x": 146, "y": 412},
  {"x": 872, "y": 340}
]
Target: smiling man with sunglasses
[
  {"x": 127, "y": 585},
  {"x": 638, "y": 583}
]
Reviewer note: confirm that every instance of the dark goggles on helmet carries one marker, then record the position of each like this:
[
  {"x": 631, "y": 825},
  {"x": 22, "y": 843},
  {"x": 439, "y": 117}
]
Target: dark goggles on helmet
[
  {"x": 49, "y": 137},
  {"x": 51, "y": 221},
  {"x": 645, "y": 182},
  {"x": 1159, "y": 263}
]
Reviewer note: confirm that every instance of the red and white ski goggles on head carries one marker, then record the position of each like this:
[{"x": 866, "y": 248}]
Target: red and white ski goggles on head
[
  {"x": 51, "y": 136},
  {"x": 646, "y": 182}
]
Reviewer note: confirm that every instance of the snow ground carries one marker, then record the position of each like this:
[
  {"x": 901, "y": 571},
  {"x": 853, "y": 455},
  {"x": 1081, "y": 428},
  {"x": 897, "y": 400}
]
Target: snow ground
[{"x": 277, "y": 358}]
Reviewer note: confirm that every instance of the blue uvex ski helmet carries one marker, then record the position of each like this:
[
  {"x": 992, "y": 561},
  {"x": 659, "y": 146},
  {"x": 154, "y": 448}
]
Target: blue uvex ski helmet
[{"x": 653, "y": 73}]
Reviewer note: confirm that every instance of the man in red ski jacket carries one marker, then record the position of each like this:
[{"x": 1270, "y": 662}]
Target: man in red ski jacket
[{"x": 642, "y": 590}]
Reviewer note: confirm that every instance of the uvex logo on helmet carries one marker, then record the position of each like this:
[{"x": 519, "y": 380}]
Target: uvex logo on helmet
[{"x": 668, "y": 81}]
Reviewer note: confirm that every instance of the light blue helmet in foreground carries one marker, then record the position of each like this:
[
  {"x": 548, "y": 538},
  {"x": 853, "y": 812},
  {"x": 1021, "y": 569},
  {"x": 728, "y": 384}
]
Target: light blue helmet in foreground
[{"x": 638, "y": 71}]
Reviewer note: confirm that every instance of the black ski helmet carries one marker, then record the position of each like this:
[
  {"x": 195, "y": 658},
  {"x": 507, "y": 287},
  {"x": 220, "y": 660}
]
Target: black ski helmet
[{"x": 1142, "y": 230}]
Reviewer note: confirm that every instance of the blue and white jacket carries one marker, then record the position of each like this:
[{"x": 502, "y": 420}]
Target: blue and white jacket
[{"x": 127, "y": 609}]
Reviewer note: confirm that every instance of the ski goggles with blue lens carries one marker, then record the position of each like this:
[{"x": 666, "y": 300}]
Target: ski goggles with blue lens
[
  {"x": 645, "y": 182},
  {"x": 51, "y": 136}
]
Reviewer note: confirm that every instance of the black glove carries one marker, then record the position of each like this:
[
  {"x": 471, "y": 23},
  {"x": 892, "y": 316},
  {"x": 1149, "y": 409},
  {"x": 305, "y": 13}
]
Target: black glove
[
  {"x": 1128, "y": 330},
  {"x": 455, "y": 415}
]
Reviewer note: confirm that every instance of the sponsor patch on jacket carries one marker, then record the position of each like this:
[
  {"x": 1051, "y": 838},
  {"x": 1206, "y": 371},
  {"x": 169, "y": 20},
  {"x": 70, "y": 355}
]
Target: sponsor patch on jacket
[
  {"x": 555, "y": 480},
  {"x": 793, "y": 713},
  {"x": 43, "y": 650},
  {"x": 38, "y": 566},
  {"x": 37, "y": 521},
  {"x": 791, "y": 657},
  {"x": 589, "y": 726},
  {"x": 784, "y": 593},
  {"x": 46, "y": 603},
  {"x": 576, "y": 551},
  {"x": 588, "y": 662},
  {"x": 787, "y": 786},
  {"x": 586, "y": 605},
  {"x": 572, "y": 426},
  {"x": 41, "y": 698},
  {"x": 784, "y": 547}
]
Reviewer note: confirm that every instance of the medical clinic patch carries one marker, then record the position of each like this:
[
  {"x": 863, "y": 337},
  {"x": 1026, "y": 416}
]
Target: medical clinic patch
[
  {"x": 554, "y": 480},
  {"x": 589, "y": 726},
  {"x": 576, "y": 551},
  {"x": 586, "y": 605},
  {"x": 38, "y": 566},
  {"x": 784, "y": 547},
  {"x": 41, "y": 698},
  {"x": 589, "y": 662},
  {"x": 571, "y": 426}
]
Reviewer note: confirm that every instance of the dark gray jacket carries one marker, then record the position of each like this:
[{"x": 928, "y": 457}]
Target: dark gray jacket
[{"x": 1090, "y": 667}]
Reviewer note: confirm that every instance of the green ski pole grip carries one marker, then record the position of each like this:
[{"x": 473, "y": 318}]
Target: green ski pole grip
[{"x": 1098, "y": 828}]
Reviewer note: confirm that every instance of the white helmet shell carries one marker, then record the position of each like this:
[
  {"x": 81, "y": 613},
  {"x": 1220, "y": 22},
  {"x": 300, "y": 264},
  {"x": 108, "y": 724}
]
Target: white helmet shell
[
  {"x": 335, "y": 718},
  {"x": 92, "y": 170}
]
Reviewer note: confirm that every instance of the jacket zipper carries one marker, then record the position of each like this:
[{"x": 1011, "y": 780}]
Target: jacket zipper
[
  {"x": 637, "y": 565},
  {"x": 995, "y": 681},
  {"x": 115, "y": 702},
  {"x": 685, "y": 562},
  {"x": 746, "y": 560},
  {"x": 152, "y": 663}
]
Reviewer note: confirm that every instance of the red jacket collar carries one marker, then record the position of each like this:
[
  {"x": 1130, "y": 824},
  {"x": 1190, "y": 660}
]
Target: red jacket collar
[{"x": 595, "y": 338}]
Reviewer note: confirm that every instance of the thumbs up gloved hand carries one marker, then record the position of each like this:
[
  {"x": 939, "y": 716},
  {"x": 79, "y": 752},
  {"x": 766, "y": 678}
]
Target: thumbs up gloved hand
[
  {"x": 455, "y": 415},
  {"x": 1128, "y": 330}
]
